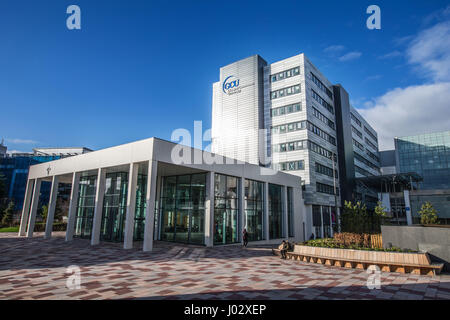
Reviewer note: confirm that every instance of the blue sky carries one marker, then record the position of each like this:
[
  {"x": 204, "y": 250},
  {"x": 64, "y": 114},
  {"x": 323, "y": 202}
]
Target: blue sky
[{"x": 139, "y": 69}]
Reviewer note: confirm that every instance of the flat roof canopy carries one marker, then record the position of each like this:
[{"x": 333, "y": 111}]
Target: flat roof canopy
[{"x": 403, "y": 179}]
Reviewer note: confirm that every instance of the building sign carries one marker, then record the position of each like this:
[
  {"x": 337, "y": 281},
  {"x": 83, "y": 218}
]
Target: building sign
[{"x": 231, "y": 85}]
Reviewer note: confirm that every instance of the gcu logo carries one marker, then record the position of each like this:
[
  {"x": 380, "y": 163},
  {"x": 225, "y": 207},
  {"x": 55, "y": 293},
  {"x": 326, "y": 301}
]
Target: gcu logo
[{"x": 229, "y": 84}]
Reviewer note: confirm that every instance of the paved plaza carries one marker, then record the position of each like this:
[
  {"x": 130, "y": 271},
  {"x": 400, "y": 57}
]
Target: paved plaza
[{"x": 36, "y": 269}]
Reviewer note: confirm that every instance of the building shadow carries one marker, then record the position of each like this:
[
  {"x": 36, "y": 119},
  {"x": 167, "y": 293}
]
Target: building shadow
[
  {"x": 39, "y": 253},
  {"x": 353, "y": 292}
]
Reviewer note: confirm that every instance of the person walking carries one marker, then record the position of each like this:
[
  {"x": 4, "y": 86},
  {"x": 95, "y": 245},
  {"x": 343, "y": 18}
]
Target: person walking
[{"x": 245, "y": 237}]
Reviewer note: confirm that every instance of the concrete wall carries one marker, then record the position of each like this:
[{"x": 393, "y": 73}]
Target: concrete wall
[{"x": 434, "y": 240}]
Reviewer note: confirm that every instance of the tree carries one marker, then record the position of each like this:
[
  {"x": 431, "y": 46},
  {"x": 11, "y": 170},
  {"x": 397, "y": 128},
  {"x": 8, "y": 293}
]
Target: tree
[
  {"x": 380, "y": 215},
  {"x": 354, "y": 218},
  {"x": 428, "y": 214},
  {"x": 44, "y": 213},
  {"x": 7, "y": 218}
]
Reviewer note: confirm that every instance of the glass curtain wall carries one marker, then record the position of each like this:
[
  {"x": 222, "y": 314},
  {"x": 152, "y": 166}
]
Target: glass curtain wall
[
  {"x": 254, "y": 209},
  {"x": 317, "y": 221},
  {"x": 85, "y": 206},
  {"x": 226, "y": 209},
  {"x": 183, "y": 208},
  {"x": 275, "y": 212},
  {"x": 290, "y": 208},
  {"x": 141, "y": 204},
  {"x": 114, "y": 206}
]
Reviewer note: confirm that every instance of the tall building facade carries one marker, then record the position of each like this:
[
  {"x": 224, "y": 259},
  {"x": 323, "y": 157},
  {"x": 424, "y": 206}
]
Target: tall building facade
[
  {"x": 429, "y": 156},
  {"x": 365, "y": 155},
  {"x": 289, "y": 116}
]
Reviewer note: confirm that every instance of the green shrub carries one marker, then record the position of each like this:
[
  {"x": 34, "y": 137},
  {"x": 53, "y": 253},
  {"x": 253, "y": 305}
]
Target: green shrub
[
  {"x": 332, "y": 243},
  {"x": 428, "y": 214},
  {"x": 59, "y": 226}
]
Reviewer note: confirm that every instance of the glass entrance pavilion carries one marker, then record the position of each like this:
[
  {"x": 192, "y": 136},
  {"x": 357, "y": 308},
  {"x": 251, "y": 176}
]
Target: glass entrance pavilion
[{"x": 138, "y": 193}]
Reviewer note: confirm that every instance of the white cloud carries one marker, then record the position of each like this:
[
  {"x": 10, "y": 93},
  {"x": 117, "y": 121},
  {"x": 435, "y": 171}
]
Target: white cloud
[
  {"x": 21, "y": 141},
  {"x": 350, "y": 56},
  {"x": 438, "y": 15},
  {"x": 391, "y": 55},
  {"x": 429, "y": 52},
  {"x": 374, "y": 77},
  {"x": 420, "y": 108},
  {"x": 334, "y": 48},
  {"x": 409, "y": 111}
]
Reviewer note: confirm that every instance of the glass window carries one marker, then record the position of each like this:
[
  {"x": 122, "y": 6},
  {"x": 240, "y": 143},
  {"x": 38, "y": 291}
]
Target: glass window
[
  {"x": 254, "y": 213},
  {"x": 275, "y": 212},
  {"x": 182, "y": 208},
  {"x": 226, "y": 215},
  {"x": 85, "y": 206},
  {"x": 291, "y": 146},
  {"x": 114, "y": 207},
  {"x": 290, "y": 207}
]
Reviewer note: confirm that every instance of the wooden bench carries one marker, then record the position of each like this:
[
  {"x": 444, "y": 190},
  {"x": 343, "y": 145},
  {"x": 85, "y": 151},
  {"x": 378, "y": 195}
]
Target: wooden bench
[{"x": 414, "y": 268}]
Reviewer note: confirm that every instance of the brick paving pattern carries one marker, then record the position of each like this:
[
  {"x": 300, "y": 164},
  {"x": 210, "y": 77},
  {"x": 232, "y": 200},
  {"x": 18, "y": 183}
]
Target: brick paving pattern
[{"x": 36, "y": 269}]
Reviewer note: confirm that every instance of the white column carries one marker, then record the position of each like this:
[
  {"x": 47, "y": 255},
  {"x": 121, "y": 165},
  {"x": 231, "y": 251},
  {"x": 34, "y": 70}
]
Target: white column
[
  {"x": 266, "y": 210},
  {"x": 150, "y": 205},
  {"x": 157, "y": 224},
  {"x": 285, "y": 233},
  {"x": 34, "y": 205},
  {"x": 51, "y": 208},
  {"x": 242, "y": 207},
  {"x": 98, "y": 211},
  {"x": 131, "y": 206},
  {"x": 407, "y": 208},
  {"x": 73, "y": 206},
  {"x": 26, "y": 208},
  {"x": 209, "y": 210}
]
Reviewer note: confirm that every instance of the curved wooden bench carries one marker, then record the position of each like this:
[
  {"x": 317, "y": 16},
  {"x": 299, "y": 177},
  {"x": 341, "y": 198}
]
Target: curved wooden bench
[{"x": 348, "y": 258}]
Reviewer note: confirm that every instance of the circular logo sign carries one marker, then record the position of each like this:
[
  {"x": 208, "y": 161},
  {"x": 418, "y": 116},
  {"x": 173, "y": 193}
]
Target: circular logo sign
[{"x": 230, "y": 85}]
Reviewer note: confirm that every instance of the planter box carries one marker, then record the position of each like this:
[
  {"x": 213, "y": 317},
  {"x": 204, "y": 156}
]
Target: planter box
[
  {"x": 404, "y": 262},
  {"x": 367, "y": 256}
]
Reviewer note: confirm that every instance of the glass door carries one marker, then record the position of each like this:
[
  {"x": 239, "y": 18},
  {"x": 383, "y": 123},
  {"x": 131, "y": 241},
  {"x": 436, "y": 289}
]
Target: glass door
[
  {"x": 114, "y": 207},
  {"x": 182, "y": 210}
]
